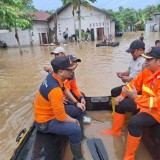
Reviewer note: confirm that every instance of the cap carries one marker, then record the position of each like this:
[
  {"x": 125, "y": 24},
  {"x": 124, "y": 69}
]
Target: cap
[
  {"x": 74, "y": 58},
  {"x": 63, "y": 62},
  {"x": 137, "y": 44},
  {"x": 157, "y": 41},
  {"x": 153, "y": 52},
  {"x": 58, "y": 50}
]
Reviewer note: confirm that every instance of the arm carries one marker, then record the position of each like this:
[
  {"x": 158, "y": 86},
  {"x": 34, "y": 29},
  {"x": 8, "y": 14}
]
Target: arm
[
  {"x": 56, "y": 100},
  {"x": 137, "y": 82},
  {"x": 71, "y": 97},
  {"x": 76, "y": 91}
]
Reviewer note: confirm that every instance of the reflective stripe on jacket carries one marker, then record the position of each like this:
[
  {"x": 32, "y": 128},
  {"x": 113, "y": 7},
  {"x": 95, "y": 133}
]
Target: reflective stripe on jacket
[{"x": 149, "y": 84}]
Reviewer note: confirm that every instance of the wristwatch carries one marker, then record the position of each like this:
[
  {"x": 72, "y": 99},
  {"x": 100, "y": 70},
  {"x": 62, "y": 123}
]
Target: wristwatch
[
  {"x": 75, "y": 103},
  {"x": 77, "y": 121}
]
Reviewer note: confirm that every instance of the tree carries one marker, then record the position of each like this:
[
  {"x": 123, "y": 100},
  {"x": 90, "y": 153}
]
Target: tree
[
  {"x": 13, "y": 15},
  {"x": 76, "y": 6}
]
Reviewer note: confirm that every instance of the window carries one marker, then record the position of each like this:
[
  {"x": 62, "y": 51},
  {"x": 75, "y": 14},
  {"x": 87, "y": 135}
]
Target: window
[
  {"x": 90, "y": 25},
  {"x": 93, "y": 25}
]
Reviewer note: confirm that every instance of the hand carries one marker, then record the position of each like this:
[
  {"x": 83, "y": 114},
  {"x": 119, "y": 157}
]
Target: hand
[
  {"x": 125, "y": 79},
  {"x": 119, "y": 74},
  {"x": 81, "y": 106},
  {"x": 48, "y": 69},
  {"x": 65, "y": 100},
  {"x": 130, "y": 93},
  {"x": 118, "y": 99},
  {"x": 83, "y": 101}
]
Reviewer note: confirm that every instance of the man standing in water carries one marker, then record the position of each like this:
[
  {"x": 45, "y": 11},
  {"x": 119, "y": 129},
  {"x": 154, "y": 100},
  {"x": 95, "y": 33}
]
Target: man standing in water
[
  {"x": 50, "y": 114},
  {"x": 148, "y": 81}
]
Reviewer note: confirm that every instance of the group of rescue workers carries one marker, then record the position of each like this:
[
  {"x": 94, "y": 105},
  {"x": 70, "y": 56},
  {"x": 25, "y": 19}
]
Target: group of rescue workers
[{"x": 59, "y": 106}]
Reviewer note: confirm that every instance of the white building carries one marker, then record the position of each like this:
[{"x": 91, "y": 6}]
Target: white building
[
  {"x": 36, "y": 36},
  {"x": 154, "y": 24},
  {"x": 96, "y": 20},
  {"x": 42, "y": 32}
]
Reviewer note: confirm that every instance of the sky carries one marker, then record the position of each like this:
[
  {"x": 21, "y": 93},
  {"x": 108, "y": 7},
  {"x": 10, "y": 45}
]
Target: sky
[{"x": 106, "y": 4}]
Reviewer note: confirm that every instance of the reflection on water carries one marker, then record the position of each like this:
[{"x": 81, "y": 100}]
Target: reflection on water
[{"x": 21, "y": 75}]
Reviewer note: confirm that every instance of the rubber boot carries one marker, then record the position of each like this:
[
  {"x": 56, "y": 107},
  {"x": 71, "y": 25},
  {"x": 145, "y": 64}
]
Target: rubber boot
[
  {"x": 117, "y": 124},
  {"x": 131, "y": 147},
  {"x": 113, "y": 105},
  {"x": 76, "y": 151},
  {"x": 82, "y": 127}
]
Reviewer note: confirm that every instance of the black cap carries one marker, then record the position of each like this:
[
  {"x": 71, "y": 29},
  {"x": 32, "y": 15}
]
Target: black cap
[
  {"x": 153, "y": 52},
  {"x": 74, "y": 58},
  {"x": 63, "y": 62},
  {"x": 137, "y": 44}
]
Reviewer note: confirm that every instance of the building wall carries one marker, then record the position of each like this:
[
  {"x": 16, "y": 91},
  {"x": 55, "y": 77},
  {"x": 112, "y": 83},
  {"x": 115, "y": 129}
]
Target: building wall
[
  {"x": 90, "y": 19},
  {"x": 39, "y": 27},
  {"x": 9, "y": 37},
  {"x": 27, "y": 37}
]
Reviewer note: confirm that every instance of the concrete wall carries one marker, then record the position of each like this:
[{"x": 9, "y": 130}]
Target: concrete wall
[
  {"x": 90, "y": 19},
  {"x": 27, "y": 37},
  {"x": 10, "y": 39}
]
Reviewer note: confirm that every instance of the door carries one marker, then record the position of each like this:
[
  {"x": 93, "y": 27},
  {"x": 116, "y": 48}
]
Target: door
[
  {"x": 100, "y": 33},
  {"x": 44, "y": 39}
]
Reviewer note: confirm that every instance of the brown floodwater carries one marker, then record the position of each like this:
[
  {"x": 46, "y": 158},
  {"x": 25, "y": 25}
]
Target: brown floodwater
[{"x": 22, "y": 74}]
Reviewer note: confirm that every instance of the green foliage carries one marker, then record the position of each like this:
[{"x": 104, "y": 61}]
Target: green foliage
[
  {"x": 130, "y": 17},
  {"x": 13, "y": 13}
]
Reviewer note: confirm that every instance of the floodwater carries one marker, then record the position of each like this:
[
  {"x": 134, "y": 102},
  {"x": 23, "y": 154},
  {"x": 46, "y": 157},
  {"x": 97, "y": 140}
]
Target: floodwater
[{"x": 21, "y": 76}]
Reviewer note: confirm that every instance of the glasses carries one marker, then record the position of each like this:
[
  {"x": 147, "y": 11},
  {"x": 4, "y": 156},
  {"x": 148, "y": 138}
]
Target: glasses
[{"x": 70, "y": 70}]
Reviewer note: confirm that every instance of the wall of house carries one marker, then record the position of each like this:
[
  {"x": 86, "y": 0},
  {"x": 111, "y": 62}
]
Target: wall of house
[
  {"x": 27, "y": 37},
  {"x": 91, "y": 19},
  {"x": 9, "y": 37},
  {"x": 153, "y": 25},
  {"x": 39, "y": 28}
]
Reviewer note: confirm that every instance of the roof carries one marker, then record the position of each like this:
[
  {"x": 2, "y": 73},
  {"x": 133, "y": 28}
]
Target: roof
[
  {"x": 40, "y": 16},
  {"x": 63, "y": 7}
]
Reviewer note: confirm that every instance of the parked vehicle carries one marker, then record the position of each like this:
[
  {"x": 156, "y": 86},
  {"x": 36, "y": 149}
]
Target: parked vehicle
[{"x": 3, "y": 44}]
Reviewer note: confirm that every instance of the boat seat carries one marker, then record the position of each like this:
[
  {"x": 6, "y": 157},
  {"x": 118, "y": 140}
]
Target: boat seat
[{"x": 38, "y": 146}]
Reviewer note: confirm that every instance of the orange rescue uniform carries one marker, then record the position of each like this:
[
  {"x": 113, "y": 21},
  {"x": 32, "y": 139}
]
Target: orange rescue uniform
[
  {"x": 46, "y": 110},
  {"x": 149, "y": 84},
  {"x": 72, "y": 86}
]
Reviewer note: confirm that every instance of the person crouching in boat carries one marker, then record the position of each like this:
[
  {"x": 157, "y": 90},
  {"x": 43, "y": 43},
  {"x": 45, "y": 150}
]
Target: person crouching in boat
[
  {"x": 147, "y": 104},
  {"x": 50, "y": 113}
]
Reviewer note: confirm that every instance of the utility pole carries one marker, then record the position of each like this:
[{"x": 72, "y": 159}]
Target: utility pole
[{"x": 79, "y": 23}]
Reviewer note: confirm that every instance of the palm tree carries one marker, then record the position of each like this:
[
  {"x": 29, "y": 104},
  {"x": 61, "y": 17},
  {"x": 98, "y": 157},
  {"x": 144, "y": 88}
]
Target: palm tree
[{"x": 76, "y": 5}]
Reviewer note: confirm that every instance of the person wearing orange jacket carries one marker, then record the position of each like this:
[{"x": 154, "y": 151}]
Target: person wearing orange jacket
[
  {"x": 147, "y": 104},
  {"x": 50, "y": 113},
  {"x": 70, "y": 83}
]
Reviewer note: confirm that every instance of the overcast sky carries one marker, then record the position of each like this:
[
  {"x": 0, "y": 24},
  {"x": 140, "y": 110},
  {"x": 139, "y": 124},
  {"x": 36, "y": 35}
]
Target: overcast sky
[{"x": 106, "y": 4}]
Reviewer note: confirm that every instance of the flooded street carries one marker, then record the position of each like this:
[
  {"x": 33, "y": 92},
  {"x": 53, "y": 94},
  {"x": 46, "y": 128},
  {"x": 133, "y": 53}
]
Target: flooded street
[{"x": 21, "y": 76}]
